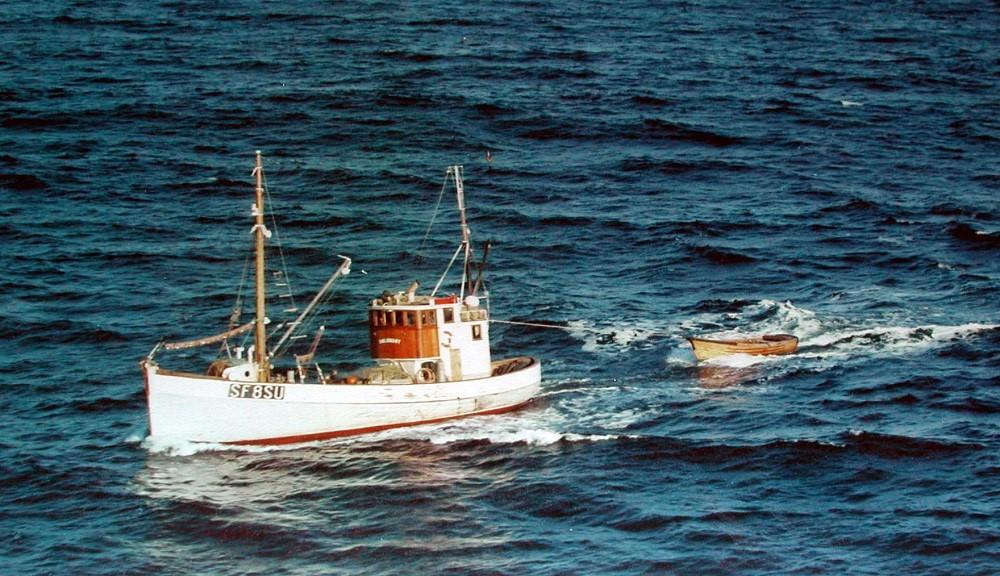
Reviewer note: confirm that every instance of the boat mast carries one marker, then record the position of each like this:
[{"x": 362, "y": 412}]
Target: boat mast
[
  {"x": 460, "y": 192},
  {"x": 465, "y": 247},
  {"x": 263, "y": 368}
]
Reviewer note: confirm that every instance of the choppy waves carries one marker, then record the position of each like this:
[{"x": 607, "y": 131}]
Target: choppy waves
[{"x": 655, "y": 172}]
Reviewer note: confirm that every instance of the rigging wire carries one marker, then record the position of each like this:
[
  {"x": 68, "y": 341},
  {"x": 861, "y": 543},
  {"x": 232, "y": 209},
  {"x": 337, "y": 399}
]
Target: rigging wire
[
  {"x": 237, "y": 313},
  {"x": 532, "y": 324},
  {"x": 447, "y": 269},
  {"x": 566, "y": 328},
  {"x": 437, "y": 207},
  {"x": 234, "y": 318},
  {"x": 278, "y": 245},
  {"x": 308, "y": 322}
]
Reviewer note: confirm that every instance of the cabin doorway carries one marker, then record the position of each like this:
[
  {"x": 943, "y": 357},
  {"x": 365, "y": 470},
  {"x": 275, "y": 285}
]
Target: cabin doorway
[{"x": 455, "y": 358}]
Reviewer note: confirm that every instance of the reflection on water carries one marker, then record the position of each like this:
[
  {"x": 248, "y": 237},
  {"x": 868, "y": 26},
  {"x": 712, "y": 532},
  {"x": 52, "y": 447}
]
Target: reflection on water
[
  {"x": 717, "y": 377},
  {"x": 236, "y": 476},
  {"x": 333, "y": 498}
]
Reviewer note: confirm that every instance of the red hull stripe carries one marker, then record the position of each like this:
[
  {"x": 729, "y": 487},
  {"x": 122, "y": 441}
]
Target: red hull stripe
[{"x": 355, "y": 431}]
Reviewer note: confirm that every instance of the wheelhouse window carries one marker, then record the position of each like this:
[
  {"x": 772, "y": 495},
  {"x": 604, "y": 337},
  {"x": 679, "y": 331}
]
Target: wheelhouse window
[
  {"x": 449, "y": 315},
  {"x": 378, "y": 318},
  {"x": 477, "y": 331}
]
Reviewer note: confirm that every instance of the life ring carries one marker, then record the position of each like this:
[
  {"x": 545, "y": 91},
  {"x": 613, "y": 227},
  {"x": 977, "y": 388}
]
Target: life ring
[{"x": 425, "y": 375}]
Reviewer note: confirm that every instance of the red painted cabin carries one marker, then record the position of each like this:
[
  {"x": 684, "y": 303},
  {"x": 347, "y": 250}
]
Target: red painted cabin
[{"x": 399, "y": 334}]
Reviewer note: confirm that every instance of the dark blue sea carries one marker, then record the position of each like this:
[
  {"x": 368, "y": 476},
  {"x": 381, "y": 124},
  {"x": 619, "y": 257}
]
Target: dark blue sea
[{"x": 659, "y": 169}]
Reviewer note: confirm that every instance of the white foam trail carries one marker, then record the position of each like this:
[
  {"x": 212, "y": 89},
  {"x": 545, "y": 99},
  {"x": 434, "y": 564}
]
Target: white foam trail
[
  {"x": 788, "y": 318},
  {"x": 900, "y": 338},
  {"x": 776, "y": 317},
  {"x": 531, "y": 437},
  {"x": 824, "y": 337},
  {"x": 740, "y": 360},
  {"x": 533, "y": 429},
  {"x": 178, "y": 447},
  {"x": 583, "y": 385},
  {"x": 614, "y": 338},
  {"x": 538, "y": 429},
  {"x": 680, "y": 356}
]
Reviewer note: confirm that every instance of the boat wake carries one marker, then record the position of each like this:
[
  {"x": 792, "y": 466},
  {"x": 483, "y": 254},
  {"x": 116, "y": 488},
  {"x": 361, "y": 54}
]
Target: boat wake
[
  {"x": 572, "y": 411},
  {"x": 171, "y": 446},
  {"x": 829, "y": 337},
  {"x": 762, "y": 317},
  {"x": 742, "y": 360},
  {"x": 530, "y": 437},
  {"x": 544, "y": 427},
  {"x": 900, "y": 339},
  {"x": 616, "y": 337},
  {"x": 819, "y": 336}
]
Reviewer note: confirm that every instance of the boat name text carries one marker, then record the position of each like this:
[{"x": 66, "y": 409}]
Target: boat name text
[
  {"x": 257, "y": 391},
  {"x": 389, "y": 341}
]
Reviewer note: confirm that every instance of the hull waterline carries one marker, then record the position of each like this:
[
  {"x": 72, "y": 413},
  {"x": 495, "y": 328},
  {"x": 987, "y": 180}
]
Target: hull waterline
[{"x": 197, "y": 408}]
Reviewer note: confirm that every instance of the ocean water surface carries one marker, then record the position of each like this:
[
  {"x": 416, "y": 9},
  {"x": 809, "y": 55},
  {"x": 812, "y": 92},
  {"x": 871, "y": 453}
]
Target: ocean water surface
[{"x": 659, "y": 169}]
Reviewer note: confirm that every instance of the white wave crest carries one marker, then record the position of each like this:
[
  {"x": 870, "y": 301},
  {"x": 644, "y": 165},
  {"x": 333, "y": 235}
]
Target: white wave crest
[
  {"x": 531, "y": 437},
  {"x": 741, "y": 360},
  {"x": 763, "y": 317},
  {"x": 892, "y": 339},
  {"x": 826, "y": 337},
  {"x": 616, "y": 337},
  {"x": 167, "y": 446}
]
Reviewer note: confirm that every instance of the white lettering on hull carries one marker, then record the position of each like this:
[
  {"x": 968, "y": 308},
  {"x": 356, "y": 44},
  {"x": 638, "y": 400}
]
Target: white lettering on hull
[{"x": 257, "y": 391}]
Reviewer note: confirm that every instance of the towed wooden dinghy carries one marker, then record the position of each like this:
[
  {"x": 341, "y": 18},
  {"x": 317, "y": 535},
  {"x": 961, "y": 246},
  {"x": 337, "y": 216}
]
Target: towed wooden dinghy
[{"x": 766, "y": 345}]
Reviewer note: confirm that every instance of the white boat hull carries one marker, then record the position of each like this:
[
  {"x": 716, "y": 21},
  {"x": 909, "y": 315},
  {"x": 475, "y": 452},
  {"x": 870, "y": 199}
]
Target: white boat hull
[{"x": 200, "y": 408}]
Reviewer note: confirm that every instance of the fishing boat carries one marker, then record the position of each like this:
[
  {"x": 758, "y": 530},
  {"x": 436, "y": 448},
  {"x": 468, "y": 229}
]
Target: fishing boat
[
  {"x": 766, "y": 345},
  {"x": 431, "y": 353}
]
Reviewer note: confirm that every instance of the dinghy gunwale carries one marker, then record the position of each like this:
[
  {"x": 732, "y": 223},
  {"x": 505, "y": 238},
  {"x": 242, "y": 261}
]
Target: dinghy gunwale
[{"x": 764, "y": 345}]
